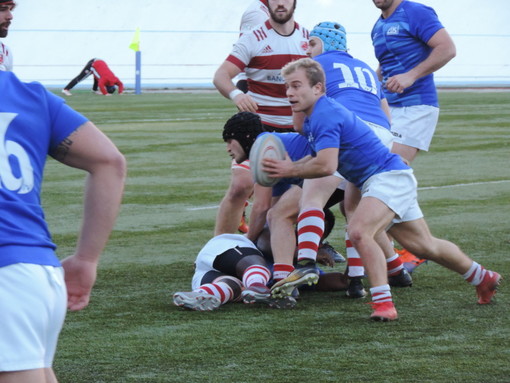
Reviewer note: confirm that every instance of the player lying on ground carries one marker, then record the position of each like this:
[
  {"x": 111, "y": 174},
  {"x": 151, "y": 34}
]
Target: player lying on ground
[{"x": 230, "y": 268}]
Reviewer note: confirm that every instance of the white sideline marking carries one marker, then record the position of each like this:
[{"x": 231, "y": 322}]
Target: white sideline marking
[
  {"x": 202, "y": 208},
  {"x": 423, "y": 188},
  {"x": 466, "y": 184}
]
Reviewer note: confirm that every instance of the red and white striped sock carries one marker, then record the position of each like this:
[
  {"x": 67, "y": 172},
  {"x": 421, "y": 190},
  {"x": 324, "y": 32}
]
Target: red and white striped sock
[
  {"x": 256, "y": 274},
  {"x": 394, "y": 265},
  {"x": 381, "y": 294},
  {"x": 475, "y": 274},
  {"x": 310, "y": 230},
  {"x": 354, "y": 263},
  {"x": 219, "y": 289},
  {"x": 281, "y": 271}
]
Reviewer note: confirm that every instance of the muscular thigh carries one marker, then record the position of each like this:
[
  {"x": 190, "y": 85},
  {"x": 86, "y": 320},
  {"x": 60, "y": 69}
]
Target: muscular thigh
[
  {"x": 287, "y": 205},
  {"x": 413, "y": 235},
  {"x": 370, "y": 217},
  {"x": 316, "y": 191}
]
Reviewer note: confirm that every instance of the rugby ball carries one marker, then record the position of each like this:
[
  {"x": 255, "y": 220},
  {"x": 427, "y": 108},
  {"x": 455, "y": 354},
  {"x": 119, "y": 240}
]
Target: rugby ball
[{"x": 265, "y": 146}]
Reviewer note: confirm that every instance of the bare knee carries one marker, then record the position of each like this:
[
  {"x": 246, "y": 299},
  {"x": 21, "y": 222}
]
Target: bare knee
[
  {"x": 240, "y": 190},
  {"x": 271, "y": 217},
  {"x": 356, "y": 234},
  {"x": 279, "y": 215}
]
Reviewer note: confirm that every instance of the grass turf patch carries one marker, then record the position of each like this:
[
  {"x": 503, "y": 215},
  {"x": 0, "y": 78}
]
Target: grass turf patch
[{"x": 178, "y": 173}]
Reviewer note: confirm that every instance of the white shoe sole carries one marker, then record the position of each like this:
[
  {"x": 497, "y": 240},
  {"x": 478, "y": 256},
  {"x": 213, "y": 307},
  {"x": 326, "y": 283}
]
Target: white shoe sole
[{"x": 197, "y": 302}]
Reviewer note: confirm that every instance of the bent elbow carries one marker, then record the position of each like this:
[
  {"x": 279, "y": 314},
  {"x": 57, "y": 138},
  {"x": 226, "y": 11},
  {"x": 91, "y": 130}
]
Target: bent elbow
[
  {"x": 452, "y": 52},
  {"x": 219, "y": 77},
  {"x": 327, "y": 170}
]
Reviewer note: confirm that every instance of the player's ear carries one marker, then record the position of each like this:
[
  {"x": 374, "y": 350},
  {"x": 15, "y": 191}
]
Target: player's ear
[{"x": 318, "y": 88}]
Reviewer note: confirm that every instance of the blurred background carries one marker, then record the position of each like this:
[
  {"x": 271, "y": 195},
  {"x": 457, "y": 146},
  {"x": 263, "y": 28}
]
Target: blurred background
[{"x": 183, "y": 42}]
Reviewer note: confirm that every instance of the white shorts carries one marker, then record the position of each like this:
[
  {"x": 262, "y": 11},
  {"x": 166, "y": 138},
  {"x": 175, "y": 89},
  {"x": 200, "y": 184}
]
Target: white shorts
[
  {"x": 343, "y": 182},
  {"x": 384, "y": 134},
  {"x": 414, "y": 125},
  {"x": 397, "y": 190},
  {"x": 208, "y": 254},
  {"x": 33, "y": 304}
]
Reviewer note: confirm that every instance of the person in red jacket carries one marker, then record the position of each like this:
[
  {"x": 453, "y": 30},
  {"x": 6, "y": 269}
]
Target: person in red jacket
[
  {"x": 106, "y": 79},
  {"x": 100, "y": 70}
]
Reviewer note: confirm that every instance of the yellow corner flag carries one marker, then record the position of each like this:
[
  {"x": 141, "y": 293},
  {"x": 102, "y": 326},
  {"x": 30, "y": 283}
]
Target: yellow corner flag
[{"x": 135, "y": 43}]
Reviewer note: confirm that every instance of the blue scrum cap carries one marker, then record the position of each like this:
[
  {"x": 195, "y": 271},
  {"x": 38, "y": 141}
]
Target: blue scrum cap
[{"x": 333, "y": 36}]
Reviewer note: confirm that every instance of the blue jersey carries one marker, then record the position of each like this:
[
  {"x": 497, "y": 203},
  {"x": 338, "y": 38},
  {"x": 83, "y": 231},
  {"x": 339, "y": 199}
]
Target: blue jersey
[
  {"x": 33, "y": 121},
  {"x": 355, "y": 85},
  {"x": 297, "y": 147},
  {"x": 361, "y": 152},
  {"x": 400, "y": 44}
]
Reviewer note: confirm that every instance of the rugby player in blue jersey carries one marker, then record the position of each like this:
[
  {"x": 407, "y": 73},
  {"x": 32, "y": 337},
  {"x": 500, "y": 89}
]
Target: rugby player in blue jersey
[
  {"x": 231, "y": 267},
  {"x": 410, "y": 44},
  {"x": 342, "y": 143},
  {"x": 35, "y": 286},
  {"x": 356, "y": 86},
  {"x": 278, "y": 205}
]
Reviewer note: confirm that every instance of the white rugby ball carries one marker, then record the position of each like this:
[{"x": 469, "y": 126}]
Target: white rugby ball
[{"x": 265, "y": 146}]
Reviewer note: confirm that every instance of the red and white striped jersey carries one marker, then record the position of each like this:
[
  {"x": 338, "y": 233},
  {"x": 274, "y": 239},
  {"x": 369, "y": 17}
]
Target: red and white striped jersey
[
  {"x": 256, "y": 13},
  {"x": 5, "y": 58},
  {"x": 262, "y": 53}
]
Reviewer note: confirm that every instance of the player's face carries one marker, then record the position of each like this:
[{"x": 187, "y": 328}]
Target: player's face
[
  {"x": 235, "y": 151},
  {"x": 281, "y": 11},
  {"x": 302, "y": 96},
  {"x": 314, "y": 47},
  {"x": 5, "y": 18}
]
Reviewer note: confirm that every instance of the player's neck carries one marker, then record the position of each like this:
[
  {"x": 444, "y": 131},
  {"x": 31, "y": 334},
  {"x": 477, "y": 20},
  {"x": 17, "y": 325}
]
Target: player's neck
[
  {"x": 388, "y": 12},
  {"x": 283, "y": 29}
]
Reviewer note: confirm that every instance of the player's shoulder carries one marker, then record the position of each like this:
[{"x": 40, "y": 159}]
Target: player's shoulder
[
  {"x": 408, "y": 4},
  {"x": 28, "y": 93},
  {"x": 414, "y": 9},
  {"x": 290, "y": 139},
  {"x": 305, "y": 33},
  {"x": 13, "y": 80},
  {"x": 336, "y": 56},
  {"x": 254, "y": 15},
  {"x": 358, "y": 62},
  {"x": 259, "y": 32},
  {"x": 328, "y": 108}
]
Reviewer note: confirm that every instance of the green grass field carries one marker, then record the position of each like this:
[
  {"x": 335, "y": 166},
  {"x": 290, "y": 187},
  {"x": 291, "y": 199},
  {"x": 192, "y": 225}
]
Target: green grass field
[{"x": 179, "y": 171}]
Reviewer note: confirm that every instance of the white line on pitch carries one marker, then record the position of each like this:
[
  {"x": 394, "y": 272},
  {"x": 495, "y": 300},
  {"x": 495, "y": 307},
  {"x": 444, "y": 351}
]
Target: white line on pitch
[
  {"x": 460, "y": 185},
  {"x": 202, "y": 208}
]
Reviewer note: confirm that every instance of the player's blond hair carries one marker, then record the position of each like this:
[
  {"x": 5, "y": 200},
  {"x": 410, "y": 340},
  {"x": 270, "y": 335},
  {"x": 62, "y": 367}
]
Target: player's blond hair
[{"x": 313, "y": 70}]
